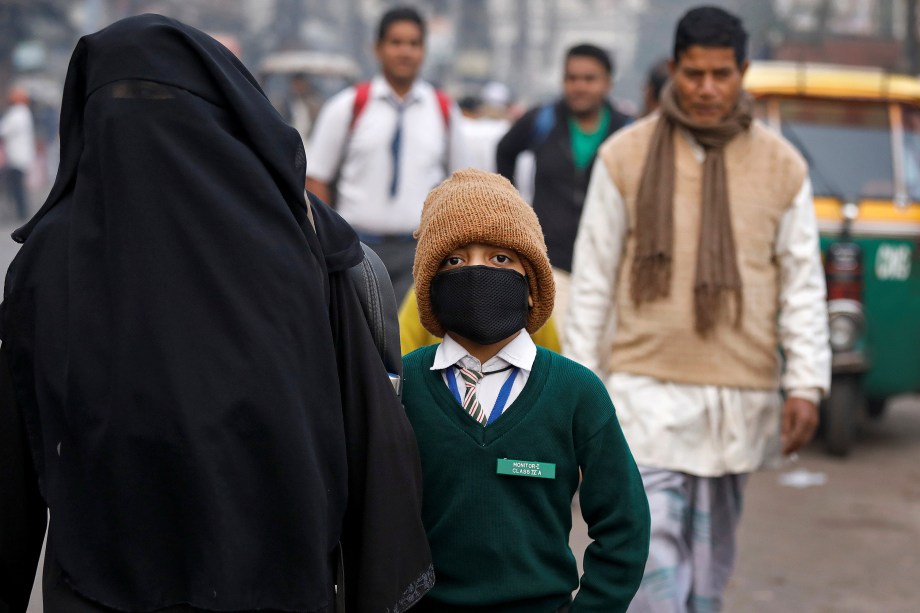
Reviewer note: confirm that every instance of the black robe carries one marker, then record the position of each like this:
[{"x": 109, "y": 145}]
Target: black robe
[{"x": 206, "y": 411}]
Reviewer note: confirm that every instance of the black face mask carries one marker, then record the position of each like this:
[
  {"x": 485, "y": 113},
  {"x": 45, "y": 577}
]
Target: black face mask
[{"x": 481, "y": 303}]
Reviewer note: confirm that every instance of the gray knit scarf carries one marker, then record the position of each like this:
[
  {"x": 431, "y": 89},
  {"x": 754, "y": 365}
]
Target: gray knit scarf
[{"x": 717, "y": 276}]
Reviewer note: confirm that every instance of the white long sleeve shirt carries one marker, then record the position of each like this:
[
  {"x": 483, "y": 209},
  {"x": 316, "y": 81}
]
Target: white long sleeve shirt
[{"x": 698, "y": 429}]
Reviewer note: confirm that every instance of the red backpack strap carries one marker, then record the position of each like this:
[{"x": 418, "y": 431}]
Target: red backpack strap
[
  {"x": 362, "y": 93},
  {"x": 445, "y": 103}
]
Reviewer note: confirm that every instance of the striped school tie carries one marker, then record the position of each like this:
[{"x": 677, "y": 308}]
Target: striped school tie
[{"x": 470, "y": 402}]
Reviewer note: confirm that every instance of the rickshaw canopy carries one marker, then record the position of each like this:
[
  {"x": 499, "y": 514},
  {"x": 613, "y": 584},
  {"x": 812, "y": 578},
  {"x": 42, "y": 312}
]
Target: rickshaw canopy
[{"x": 830, "y": 81}]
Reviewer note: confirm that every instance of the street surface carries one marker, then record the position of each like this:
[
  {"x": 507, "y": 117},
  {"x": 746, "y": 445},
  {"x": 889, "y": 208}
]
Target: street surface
[{"x": 851, "y": 545}]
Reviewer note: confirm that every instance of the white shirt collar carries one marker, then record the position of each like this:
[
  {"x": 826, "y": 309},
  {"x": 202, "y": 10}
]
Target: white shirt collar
[
  {"x": 521, "y": 352},
  {"x": 381, "y": 89}
]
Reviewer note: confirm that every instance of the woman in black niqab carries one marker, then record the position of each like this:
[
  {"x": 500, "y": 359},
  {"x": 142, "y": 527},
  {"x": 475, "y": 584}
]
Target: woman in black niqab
[{"x": 206, "y": 412}]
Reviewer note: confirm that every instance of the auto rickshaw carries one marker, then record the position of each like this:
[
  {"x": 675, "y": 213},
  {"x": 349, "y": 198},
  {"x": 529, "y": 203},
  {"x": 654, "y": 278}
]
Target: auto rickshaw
[{"x": 859, "y": 130}]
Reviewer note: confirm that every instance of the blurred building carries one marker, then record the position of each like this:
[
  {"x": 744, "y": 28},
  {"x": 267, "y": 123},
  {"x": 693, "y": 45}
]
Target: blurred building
[
  {"x": 879, "y": 33},
  {"x": 518, "y": 42}
]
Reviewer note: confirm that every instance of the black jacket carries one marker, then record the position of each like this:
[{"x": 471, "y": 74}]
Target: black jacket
[{"x": 559, "y": 187}]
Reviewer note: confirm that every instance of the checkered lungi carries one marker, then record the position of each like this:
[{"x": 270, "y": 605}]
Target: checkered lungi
[{"x": 692, "y": 547}]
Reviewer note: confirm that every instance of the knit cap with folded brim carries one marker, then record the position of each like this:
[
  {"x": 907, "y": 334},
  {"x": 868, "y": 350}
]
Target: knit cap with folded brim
[{"x": 474, "y": 206}]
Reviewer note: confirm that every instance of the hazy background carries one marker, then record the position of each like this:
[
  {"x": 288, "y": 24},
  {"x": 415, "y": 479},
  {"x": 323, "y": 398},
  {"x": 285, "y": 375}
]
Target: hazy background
[{"x": 518, "y": 42}]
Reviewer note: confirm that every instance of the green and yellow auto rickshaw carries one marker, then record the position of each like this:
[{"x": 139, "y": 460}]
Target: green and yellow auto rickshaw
[{"x": 859, "y": 130}]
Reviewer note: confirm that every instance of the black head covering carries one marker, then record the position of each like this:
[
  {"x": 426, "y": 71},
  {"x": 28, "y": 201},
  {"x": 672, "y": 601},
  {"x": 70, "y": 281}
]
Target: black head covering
[{"x": 176, "y": 332}]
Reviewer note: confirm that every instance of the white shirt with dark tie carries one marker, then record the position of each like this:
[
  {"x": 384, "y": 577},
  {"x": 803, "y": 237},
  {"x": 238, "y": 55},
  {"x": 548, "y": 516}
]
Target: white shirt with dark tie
[{"x": 520, "y": 352}]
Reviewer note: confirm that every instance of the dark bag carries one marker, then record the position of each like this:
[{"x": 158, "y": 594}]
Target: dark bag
[{"x": 378, "y": 301}]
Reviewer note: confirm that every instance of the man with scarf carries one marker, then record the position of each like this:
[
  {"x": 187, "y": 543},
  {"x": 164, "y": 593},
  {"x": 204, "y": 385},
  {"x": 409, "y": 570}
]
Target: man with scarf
[{"x": 690, "y": 270}]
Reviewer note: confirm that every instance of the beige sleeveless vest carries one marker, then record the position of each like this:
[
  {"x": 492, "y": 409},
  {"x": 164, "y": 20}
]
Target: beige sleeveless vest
[{"x": 657, "y": 339}]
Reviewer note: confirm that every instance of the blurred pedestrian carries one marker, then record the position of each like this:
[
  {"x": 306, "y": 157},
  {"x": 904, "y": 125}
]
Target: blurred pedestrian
[
  {"x": 483, "y": 129},
  {"x": 301, "y": 106},
  {"x": 658, "y": 74},
  {"x": 700, "y": 263},
  {"x": 187, "y": 379},
  {"x": 469, "y": 107},
  {"x": 378, "y": 147},
  {"x": 17, "y": 131},
  {"x": 501, "y": 460},
  {"x": 564, "y": 137}
]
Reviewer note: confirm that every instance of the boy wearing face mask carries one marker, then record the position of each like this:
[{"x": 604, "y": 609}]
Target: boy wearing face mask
[{"x": 504, "y": 426}]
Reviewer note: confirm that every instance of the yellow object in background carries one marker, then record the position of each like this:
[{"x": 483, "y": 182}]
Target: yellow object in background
[{"x": 413, "y": 335}]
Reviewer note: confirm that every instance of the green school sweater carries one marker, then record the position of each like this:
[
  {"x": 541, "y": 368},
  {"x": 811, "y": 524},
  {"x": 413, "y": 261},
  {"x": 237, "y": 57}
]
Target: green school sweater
[{"x": 500, "y": 542}]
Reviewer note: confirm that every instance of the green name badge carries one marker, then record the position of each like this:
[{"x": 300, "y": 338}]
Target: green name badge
[{"x": 526, "y": 468}]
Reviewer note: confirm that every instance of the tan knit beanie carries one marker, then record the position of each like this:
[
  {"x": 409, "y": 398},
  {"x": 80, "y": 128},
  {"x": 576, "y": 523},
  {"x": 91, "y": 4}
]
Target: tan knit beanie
[{"x": 474, "y": 206}]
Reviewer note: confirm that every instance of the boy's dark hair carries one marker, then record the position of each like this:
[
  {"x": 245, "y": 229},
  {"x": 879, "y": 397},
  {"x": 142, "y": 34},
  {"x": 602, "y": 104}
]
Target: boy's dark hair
[
  {"x": 710, "y": 26},
  {"x": 469, "y": 103},
  {"x": 397, "y": 14},
  {"x": 592, "y": 51}
]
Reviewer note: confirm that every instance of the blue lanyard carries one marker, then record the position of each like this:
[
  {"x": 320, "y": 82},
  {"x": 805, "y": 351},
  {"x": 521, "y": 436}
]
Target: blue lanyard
[{"x": 500, "y": 402}]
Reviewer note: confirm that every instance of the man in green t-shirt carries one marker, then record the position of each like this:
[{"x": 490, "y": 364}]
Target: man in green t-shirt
[{"x": 564, "y": 137}]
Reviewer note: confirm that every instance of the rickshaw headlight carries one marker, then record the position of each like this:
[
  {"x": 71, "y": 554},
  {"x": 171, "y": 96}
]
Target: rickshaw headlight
[
  {"x": 844, "y": 332},
  {"x": 846, "y": 323}
]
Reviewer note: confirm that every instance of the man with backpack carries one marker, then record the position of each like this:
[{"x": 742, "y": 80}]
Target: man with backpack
[
  {"x": 379, "y": 147},
  {"x": 564, "y": 137}
]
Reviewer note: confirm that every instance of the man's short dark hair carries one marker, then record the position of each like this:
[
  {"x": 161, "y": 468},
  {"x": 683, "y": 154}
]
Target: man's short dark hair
[
  {"x": 397, "y": 14},
  {"x": 710, "y": 26},
  {"x": 592, "y": 51}
]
